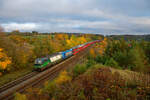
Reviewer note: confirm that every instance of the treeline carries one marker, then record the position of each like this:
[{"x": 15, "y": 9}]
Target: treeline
[
  {"x": 19, "y": 51},
  {"x": 17, "y": 32},
  {"x": 130, "y": 37}
]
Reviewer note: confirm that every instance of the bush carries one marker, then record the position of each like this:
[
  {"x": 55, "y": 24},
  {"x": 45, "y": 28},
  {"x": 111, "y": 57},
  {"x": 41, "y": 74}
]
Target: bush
[
  {"x": 123, "y": 59},
  {"x": 79, "y": 69},
  {"x": 102, "y": 59},
  {"x": 90, "y": 63},
  {"x": 111, "y": 62},
  {"x": 138, "y": 57},
  {"x": 50, "y": 88}
]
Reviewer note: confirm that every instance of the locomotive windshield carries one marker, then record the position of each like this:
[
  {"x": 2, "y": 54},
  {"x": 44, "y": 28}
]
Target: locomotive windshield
[{"x": 40, "y": 61}]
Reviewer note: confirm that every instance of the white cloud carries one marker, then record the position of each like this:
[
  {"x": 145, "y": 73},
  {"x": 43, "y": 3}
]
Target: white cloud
[
  {"x": 22, "y": 27},
  {"x": 141, "y": 21}
]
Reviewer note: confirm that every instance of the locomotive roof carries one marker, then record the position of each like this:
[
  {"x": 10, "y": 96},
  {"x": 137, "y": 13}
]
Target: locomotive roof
[
  {"x": 42, "y": 58},
  {"x": 52, "y": 55}
]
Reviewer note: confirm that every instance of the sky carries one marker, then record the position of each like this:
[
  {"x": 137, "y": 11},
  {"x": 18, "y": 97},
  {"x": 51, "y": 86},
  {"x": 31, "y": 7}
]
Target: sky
[{"x": 84, "y": 16}]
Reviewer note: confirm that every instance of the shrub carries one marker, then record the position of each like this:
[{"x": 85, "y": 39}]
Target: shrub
[
  {"x": 90, "y": 63},
  {"x": 50, "y": 88},
  {"x": 138, "y": 57},
  {"x": 111, "y": 62},
  {"x": 123, "y": 59},
  {"x": 102, "y": 59},
  {"x": 79, "y": 69}
]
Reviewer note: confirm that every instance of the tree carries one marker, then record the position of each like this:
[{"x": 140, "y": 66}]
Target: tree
[
  {"x": 4, "y": 60},
  {"x": 16, "y": 32},
  {"x": 1, "y": 32}
]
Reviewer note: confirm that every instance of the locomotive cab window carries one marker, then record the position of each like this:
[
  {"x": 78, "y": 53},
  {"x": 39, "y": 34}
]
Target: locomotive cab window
[{"x": 40, "y": 61}]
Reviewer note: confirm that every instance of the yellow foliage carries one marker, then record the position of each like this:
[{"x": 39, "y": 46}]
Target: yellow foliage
[
  {"x": 61, "y": 36},
  {"x": 74, "y": 41},
  {"x": 63, "y": 77},
  {"x": 1, "y": 49},
  {"x": 4, "y": 60},
  {"x": 102, "y": 46},
  {"x": 19, "y": 96},
  {"x": 82, "y": 40}
]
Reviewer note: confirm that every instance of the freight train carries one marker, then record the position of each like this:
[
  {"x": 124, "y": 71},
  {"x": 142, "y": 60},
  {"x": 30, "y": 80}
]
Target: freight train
[{"x": 46, "y": 62}]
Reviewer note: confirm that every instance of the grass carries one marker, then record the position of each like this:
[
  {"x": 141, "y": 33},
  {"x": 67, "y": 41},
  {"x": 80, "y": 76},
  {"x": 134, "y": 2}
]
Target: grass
[
  {"x": 126, "y": 74},
  {"x": 13, "y": 75},
  {"x": 129, "y": 76}
]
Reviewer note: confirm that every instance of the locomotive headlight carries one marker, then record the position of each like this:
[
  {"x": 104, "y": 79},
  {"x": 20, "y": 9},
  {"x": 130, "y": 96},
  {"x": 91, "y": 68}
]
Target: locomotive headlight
[{"x": 39, "y": 61}]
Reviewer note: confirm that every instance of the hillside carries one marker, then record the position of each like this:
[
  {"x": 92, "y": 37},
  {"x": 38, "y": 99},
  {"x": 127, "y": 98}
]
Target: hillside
[{"x": 97, "y": 83}]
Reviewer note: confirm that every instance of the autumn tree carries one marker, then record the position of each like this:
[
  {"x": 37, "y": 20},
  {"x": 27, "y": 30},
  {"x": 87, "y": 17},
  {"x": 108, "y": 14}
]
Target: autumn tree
[
  {"x": 4, "y": 60},
  {"x": 92, "y": 53},
  {"x": 102, "y": 46},
  {"x": 74, "y": 41}
]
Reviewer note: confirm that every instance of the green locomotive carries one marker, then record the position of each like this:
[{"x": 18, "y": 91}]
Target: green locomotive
[{"x": 45, "y": 62}]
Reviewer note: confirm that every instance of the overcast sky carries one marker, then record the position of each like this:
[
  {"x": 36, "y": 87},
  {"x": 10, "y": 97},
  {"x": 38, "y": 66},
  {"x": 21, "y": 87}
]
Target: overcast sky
[{"x": 88, "y": 16}]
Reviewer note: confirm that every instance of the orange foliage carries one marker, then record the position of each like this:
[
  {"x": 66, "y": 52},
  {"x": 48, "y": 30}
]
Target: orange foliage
[
  {"x": 102, "y": 46},
  {"x": 61, "y": 36},
  {"x": 92, "y": 52},
  {"x": 4, "y": 60},
  {"x": 18, "y": 39}
]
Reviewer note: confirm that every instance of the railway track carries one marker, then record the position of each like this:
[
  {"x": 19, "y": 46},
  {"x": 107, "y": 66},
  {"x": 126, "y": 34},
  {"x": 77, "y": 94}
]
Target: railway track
[
  {"x": 35, "y": 79},
  {"x": 17, "y": 81}
]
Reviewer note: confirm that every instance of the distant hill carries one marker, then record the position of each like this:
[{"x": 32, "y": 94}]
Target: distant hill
[{"x": 130, "y": 37}]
